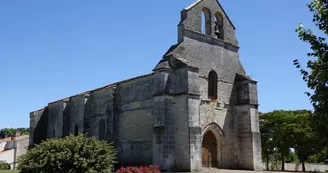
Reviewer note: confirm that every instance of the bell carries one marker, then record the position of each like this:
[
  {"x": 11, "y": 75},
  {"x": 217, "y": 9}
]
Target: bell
[{"x": 217, "y": 32}]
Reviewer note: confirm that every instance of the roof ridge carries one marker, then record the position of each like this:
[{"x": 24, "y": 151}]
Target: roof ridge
[{"x": 103, "y": 87}]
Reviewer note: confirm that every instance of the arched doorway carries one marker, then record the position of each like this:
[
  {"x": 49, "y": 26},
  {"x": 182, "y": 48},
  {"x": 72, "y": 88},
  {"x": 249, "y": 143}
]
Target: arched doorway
[{"x": 209, "y": 150}]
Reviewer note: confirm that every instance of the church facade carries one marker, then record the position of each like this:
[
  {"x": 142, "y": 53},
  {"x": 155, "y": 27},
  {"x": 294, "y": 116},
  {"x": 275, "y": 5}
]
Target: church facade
[{"x": 196, "y": 109}]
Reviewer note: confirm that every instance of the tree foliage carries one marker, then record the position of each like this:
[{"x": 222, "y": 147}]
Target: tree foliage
[
  {"x": 8, "y": 132},
  {"x": 4, "y": 166},
  {"x": 283, "y": 130},
  {"x": 304, "y": 138},
  {"x": 316, "y": 74},
  {"x": 72, "y": 154}
]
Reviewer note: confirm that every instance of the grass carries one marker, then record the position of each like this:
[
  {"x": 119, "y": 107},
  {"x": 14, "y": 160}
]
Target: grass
[{"x": 10, "y": 171}]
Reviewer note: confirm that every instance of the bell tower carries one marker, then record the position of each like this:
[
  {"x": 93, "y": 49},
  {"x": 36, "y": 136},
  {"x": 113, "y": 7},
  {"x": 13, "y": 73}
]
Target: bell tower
[
  {"x": 204, "y": 105},
  {"x": 209, "y": 18}
]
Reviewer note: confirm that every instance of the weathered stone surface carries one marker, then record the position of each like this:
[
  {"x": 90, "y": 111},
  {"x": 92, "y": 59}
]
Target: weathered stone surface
[
  {"x": 99, "y": 106},
  {"x": 54, "y": 119},
  {"x": 161, "y": 118},
  {"x": 38, "y": 126},
  {"x": 74, "y": 115}
]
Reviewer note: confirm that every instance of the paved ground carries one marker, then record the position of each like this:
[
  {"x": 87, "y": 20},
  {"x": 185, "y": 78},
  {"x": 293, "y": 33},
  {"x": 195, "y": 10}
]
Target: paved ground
[{"x": 213, "y": 170}]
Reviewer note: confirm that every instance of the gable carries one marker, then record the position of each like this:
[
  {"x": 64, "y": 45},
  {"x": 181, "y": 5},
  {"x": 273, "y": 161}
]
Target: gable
[{"x": 207, "y": 17}]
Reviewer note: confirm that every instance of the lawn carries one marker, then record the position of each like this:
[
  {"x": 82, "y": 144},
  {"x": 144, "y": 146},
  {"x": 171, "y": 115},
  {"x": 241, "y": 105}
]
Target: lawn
[{"x": 10, "y": 171}]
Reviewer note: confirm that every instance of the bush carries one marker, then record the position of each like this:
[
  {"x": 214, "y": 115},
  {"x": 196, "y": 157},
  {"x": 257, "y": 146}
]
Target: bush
[
  {"x": 141, "y": 169},
  {"x": 72, "y": 154},
  {"x": 4, "y": 166}
]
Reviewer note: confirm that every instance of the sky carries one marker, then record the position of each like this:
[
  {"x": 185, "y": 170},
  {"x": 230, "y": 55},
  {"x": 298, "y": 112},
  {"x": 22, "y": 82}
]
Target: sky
[{"x": 54, "y": 49}]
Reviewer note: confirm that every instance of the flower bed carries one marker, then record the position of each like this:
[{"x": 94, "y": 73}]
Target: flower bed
[{"x": 141, "y": 169}]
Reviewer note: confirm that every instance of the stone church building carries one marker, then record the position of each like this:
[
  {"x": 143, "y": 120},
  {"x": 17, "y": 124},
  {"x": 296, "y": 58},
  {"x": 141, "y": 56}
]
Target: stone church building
[{"x": 197, "y": 108}]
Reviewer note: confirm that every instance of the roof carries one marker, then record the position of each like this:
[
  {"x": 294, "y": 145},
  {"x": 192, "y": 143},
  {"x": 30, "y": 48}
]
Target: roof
[
  {"x": 103, "y": 87},
  {"x": 192, "y": 5},
  {"x": 198, "y": 1},
  {"x": 242, "y": 77},
  {"x": 19, "y": 138}
]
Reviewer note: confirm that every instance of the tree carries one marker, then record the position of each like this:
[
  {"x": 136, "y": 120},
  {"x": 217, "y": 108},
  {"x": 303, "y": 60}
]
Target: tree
[
  {"x": 316, "y": 74},
  {"x": 282, "y": 130},
  {"x": 276, "y": 128},
  {"x": 72, "y": 154},
  {"x": 319, "y": 157},
  {"x": 8, "y": 132},
  {"x": 266, "y": 127},
  {"x": 304, "y": 138}
]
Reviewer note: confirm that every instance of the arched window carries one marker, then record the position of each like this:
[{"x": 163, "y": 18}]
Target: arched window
[
  {"x": 76, "y": 130},
  {"x": 212, "y": 85},
  {"x": 218, "y": 21},
  {"x": 206, "y": 21},
  {"x": 101, "y": 129}
]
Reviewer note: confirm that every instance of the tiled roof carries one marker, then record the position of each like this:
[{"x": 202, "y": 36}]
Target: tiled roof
[
  {"x": 104, "y": 87},
  {"x": 17, "y": 138},
  {"x": 5, "y": 151}
]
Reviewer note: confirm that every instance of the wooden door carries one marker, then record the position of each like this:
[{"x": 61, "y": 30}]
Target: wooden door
[{"x": 209, "y": 150}]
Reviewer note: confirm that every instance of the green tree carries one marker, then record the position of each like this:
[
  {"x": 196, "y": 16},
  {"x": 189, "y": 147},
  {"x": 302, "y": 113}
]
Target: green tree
[
  {"x": 266, "y": 127},
  {"x": 12, "y": 131},
  {"x": 277, "y": 125},
  {"x": 319, "y": 157},
  {"x": 72, "y": 154},
  {"x": 282, "y": 130},
  {"x": 316, "y": 73},
  {"x": 304, "y": 138},
  {"x": 7, "y": 132},
  {"x": 24, "y": 131}
]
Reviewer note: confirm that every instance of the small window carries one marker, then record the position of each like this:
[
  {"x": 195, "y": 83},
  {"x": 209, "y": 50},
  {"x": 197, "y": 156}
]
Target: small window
[
  {"x": 206, "y": 21},
  {"x": 212, "y": 85},
  {"x": 218, "y": 21},
  {"x": 101, "y": 129},
  {"x": 76, "y": 130}
]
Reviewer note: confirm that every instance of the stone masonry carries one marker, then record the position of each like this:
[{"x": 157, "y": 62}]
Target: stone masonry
[{"x": 199, "y": 88}]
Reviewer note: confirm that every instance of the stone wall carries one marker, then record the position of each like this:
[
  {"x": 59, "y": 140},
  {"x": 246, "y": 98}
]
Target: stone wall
[
  {"x": 74, "y": 115},
  {"x": 225, "y": 62},
  {"x": 99, "y": 106},
  {"x": 221, "y": 111},
  {"x": 125, "y": 108},
  {"x": 135, "y": 122},
  {"x": 180, "y": 124},
  {"x": 249, "y": 137},
  {"x": 54, "y": 119},
  {"x": 191, "y": 19},
  {"x": 38, "y": 126},
  {"x": 207, "y": 53}
]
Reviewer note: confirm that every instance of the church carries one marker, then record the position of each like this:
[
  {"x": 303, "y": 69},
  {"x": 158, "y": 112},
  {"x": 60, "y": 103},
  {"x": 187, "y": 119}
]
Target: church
[{"x": 197, "y": 108}]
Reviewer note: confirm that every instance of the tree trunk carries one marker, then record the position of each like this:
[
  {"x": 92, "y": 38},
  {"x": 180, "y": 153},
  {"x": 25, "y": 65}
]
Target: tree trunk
[
  {"x": 303, "y": 166},
  {"x": 282, "y": 162},
  {"x": 267, "y": 161}
]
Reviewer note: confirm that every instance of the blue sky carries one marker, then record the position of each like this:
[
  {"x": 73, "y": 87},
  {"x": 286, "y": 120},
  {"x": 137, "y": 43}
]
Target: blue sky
[{"x": 53, "y": 49}]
